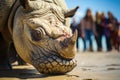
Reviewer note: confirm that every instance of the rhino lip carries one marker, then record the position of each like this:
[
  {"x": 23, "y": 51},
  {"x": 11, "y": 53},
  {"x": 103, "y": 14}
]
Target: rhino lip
[{"x": 53, "y": 64}]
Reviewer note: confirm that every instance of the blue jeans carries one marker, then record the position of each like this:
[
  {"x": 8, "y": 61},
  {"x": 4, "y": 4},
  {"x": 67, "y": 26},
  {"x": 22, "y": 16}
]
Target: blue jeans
[{"x": 88, "y": 37}]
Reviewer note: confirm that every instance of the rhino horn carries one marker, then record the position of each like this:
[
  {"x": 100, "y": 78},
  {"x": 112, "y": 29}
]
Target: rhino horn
[
  {"x": 68, "y": 47},
  {"x": 74, "y": 37}
]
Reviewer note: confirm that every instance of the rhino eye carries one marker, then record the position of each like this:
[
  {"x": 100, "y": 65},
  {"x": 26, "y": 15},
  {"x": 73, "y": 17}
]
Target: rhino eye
[{"x": 37, "y": 34}]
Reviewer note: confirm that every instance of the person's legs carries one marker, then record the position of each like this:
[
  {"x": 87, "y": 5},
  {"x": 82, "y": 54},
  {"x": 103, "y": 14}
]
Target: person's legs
[
  {"x": 115, "y": 40},
  {"x": 86, "y": 39},
  {"x": 77, "y": 43},
  {"x": 109, "y": 46},
  {"x": 99, "y": 42},
  {"x": 84, "y": 42},
  {"x": 90, "y": 35},
  {"x": 119, "y": 43}
]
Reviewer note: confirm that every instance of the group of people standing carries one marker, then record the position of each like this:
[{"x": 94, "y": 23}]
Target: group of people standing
[{"x": 98, "y": 26}]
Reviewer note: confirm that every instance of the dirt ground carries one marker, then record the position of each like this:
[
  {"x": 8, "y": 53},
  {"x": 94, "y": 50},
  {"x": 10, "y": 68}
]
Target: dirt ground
[{"x": 91, "y": 66}]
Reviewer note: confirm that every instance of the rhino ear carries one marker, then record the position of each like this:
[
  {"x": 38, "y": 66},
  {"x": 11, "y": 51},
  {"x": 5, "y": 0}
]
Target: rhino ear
[{"x": 25, "y": 3}]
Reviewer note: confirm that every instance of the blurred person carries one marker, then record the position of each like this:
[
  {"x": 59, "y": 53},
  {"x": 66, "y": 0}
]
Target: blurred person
[
  {"x": 113, "y": 26},
  {"x": 80, "y": 39},
  {"x": 99, "y": 30},
  {"x": 106, "y": 31},
  {"x": 119, "y": 37},
  {"x": 73, "y": 25},
  {"x": 87, "y": 28}
]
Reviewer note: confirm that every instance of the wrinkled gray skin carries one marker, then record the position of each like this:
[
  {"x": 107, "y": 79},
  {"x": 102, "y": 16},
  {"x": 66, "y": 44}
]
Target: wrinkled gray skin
[{"x": 41, "y": 36}]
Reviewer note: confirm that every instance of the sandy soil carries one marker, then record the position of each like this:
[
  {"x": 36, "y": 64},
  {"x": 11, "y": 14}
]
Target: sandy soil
[{"x": 91, "y": 66}]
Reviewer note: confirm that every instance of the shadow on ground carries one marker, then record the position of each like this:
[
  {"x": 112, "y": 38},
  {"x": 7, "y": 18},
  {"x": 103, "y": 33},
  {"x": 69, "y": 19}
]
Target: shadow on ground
[
  {"x": 21, "y": 73},
  {"x": 27, "y": 74}
]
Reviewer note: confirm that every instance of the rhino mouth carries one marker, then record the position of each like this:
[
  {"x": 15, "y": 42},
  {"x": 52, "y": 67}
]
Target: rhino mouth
[{"x": 53, "y": 64}]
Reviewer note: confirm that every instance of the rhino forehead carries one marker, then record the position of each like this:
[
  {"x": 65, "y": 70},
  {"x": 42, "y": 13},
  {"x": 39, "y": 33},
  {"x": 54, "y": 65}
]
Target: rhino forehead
[
  {"x": 52, "y": 27},
  {"x": 50, "y": 23}
]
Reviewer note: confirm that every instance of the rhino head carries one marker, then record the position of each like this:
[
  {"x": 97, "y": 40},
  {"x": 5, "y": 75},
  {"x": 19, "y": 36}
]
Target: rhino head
[{"x": 41, "y": 37}]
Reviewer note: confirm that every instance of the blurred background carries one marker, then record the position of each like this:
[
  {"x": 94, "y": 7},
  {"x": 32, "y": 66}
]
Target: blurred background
[
  {"x": 98, "y": 24},
  {"x": 95, "y": 6}
]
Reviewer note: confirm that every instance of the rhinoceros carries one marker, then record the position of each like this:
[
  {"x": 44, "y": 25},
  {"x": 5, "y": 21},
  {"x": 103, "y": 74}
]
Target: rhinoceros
[{"x": 40, "y": 32}]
